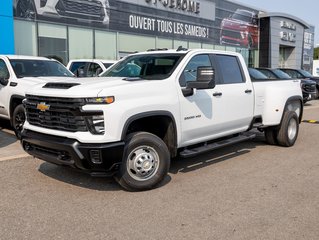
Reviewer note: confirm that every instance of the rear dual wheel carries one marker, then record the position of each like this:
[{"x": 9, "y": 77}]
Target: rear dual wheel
[{"x": 287, "y": 133}]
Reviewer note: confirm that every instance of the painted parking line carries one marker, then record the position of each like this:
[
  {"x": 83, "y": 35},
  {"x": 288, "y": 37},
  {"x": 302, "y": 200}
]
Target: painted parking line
[
  {"x": 311, "y": 121},
  {"x": 14, "y": 157}
]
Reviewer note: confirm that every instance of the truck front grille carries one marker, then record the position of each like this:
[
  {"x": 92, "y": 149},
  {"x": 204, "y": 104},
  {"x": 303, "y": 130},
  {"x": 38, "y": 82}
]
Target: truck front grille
[
  {"x": 309, "y": 88},
  {"x": 56, "y": 113},
  {"x": 231, "y": 34},
  {"x": 92, "y": 10}
]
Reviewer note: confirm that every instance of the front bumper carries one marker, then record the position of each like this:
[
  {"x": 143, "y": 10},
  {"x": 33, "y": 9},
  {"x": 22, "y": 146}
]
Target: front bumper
[{"x": 95, "y": 159}]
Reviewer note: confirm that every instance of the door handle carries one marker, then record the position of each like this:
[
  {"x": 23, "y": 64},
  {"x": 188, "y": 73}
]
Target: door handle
[
  {"x": 248, "y": 91},
  {"x": 217, "y": 94}
]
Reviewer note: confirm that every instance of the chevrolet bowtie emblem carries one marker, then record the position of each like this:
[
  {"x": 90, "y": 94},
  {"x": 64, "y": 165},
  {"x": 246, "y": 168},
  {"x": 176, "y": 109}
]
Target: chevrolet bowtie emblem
[{"x": 43, "y": 107}]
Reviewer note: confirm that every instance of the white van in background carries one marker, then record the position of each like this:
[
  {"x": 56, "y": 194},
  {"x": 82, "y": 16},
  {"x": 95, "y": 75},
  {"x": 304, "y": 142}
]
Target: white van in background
[{"x": 89, "y": 67}]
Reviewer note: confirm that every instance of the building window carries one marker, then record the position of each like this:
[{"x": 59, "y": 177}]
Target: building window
[
  {"x": 25, "y": 38},
  {"x": 80, "y": 43},
  {"x": 132, "y": 43},
  {"x": 53, "y": 41},
  {"x": 105, "y": 45},
  {"x": 164, "y": 43}
]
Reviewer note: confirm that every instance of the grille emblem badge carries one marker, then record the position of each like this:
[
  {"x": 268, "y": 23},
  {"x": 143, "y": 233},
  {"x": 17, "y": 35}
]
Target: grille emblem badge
[{"x": 42, "y": 106}]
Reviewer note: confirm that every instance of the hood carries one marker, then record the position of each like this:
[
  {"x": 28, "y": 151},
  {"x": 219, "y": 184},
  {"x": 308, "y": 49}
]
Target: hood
[
  {"x": 82, "y": 87},
  {"x": 36, "y": 80},
  {"x": 307, "y": 81},
  {"x": 316, "y": 79},
  {"x": 231, "y": 22}
]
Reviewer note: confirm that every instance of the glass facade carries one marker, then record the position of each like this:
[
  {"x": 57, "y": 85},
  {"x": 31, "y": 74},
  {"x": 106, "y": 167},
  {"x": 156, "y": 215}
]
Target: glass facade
[
  {"x": 109, "y": 29},
  {"x": 65, "y": 42}
]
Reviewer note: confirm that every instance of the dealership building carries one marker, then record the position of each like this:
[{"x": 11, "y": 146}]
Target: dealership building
[{"x": 111, "y": 29}]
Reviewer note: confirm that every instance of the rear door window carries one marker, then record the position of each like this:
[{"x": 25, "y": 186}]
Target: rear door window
[{"x": 230, "y": 69}]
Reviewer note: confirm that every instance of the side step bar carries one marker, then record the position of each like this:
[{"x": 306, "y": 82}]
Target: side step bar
[{"x": 191, "y": 152}]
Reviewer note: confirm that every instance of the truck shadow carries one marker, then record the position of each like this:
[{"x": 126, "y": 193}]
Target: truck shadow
[
  {"x": 76, "y": 178},
  {"x": 178, "y": 165},
  {"x": 184, "y": 165},
  {"x": 80, "y": 179},
  {"x": 6, "y": 137}
]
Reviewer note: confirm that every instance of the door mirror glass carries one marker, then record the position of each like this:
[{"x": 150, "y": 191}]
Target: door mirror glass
[
  {"x": 205, "y": 79},
  {"x": 205, "y": 74},
  {"x": 4, "y": 81}
]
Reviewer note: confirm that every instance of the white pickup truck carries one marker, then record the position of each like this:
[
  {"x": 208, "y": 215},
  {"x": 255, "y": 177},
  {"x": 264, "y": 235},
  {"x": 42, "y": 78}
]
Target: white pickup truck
[
  {"x": 19, "y": 73},
  {"x": 153, "y": 106}
]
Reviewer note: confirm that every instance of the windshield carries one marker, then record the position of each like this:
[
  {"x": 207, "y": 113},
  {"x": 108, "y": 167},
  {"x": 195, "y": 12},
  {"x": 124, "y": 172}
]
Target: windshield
[
  {"x": 242, "y": 16},
  {"x": 106, "y": 65},
  {"x": 281, "y": 74},
  {"x": 145, "y": 66},
  {"x": 305, "y": 73},
  {"x": 256, "y": 75},
  {"x": 39, "y": 68}
]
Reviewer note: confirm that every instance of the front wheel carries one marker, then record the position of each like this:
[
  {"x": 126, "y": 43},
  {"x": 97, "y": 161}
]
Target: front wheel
[
  {"x": 145, "y": 163},
  {"x": 18, "y": 119},
  {"x": 289, "y": 128}
]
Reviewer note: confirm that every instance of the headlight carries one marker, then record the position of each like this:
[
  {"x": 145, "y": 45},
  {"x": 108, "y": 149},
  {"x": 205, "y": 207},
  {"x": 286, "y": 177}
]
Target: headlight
[
  {"x": 100, "y": 100},
  {"x": 95, "y": 124}
]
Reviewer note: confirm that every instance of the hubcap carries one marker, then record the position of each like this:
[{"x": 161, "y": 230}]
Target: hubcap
[
  {"x": 142, "y": 163},
  {"x": 292, "y": 129}
]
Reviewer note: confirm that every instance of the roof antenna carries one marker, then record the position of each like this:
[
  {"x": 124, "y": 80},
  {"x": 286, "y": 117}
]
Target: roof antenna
[{"x": 180, "y": 48}]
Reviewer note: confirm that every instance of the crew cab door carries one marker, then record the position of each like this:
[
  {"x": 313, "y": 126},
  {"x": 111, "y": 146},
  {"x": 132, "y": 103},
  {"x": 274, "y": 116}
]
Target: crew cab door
[
  {"x": 223, "y": 110},
  {"x": 4, "y": 83}
]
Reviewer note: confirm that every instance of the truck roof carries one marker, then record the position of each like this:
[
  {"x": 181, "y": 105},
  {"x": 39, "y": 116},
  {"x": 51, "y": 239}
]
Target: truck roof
[
  {"x": 184, "y": 51},
  {"x": 25, "y": 57}
]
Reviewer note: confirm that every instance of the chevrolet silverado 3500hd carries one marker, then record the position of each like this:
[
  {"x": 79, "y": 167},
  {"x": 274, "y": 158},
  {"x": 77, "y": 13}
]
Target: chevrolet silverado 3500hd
[{"x": 155, "y": 105}]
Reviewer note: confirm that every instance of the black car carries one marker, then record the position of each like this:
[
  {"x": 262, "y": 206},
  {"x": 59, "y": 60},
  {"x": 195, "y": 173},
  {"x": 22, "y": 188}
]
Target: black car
[
  {"x": 256, "y": 75},
  {"x": 308, "y": 87},
  {"x": 302, "y": 74}
]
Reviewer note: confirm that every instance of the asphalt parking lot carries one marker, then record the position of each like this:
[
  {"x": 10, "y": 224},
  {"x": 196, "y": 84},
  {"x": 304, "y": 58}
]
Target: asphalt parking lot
[{"x": 247, "y": 191}]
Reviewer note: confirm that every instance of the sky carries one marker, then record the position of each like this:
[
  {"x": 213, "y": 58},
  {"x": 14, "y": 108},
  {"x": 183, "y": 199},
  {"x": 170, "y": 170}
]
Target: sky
[{"x": 306, "y": 10}]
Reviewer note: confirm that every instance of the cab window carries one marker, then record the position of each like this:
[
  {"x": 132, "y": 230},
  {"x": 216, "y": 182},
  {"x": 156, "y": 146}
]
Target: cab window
[
  {"x": 230, "y": 69},
  {"x": 4, "y": 73},
  {"x": 190, "y": 71}
]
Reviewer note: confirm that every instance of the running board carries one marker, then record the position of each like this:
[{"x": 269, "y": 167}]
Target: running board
[{"x": 191, "y": 152}]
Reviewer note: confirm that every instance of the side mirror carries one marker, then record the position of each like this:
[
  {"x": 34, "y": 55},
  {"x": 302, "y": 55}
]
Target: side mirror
[
  {"x": 205, "y": 79},
  {"x": 4, "y": 81}
]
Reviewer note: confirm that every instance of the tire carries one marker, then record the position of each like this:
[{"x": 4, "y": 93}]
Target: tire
[
  {"x": 26, "y": 9},
  {"x": 271, "y": 135},
  {"x": 18, "y": 119},
  {"x": 146, "y": 161},
  {"x": 288, "y": 130}
]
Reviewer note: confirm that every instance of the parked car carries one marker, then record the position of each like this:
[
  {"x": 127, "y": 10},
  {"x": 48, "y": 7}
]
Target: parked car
[
  {"x": 256, "y": 75},
  {"x": 17, "y": 75},
  {"x": 130, "y": 123},
  {"x": 89, "y": 67},
  {"x": 308, "y": 87},
  {"x": 89, "y": 11},
  {"x": 240, "y": 29},
  {"x": 302, "y": 74}
]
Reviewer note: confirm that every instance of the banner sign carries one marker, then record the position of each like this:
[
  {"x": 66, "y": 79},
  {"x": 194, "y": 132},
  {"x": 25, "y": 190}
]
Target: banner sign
[{"x": 215, "y": 22}]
